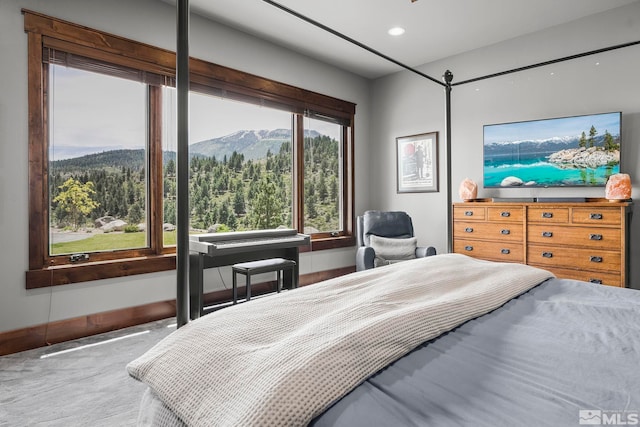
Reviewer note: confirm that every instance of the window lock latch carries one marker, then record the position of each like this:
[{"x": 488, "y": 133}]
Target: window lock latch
[{"x": 78, "y": 257}]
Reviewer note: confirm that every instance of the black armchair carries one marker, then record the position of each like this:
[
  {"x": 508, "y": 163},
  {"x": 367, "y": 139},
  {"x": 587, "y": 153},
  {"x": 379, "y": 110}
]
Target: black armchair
[{"x": 386, "y": 237}]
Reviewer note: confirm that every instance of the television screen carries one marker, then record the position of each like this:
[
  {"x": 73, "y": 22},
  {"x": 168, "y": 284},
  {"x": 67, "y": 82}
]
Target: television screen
[{"x": 578, "y": 151}]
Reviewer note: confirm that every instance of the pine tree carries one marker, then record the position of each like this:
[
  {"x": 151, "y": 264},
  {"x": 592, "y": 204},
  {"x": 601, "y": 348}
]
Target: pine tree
[
  {"x": 170, "y": 168},
  {"x": 267, "y": 206},
  {"x": 239, "y": 207},
  {"x": 136, "y": 214},
  {"x": 333, "y": 188},
  {"x": 583, "y": 140},
  {"x": 609, "y": 143},
  {"x": 592, "y": 133},
  {"x": 310, "y": 206},
  {"x": 169, "y": 211},
  {"x": 322, "y": 187}
]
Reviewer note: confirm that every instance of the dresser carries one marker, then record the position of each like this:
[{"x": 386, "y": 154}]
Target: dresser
[{"x": 584, "y": 241}]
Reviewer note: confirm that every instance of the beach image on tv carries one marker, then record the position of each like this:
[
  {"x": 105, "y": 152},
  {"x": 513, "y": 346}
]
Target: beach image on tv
[{"x": 568, "y": 151}]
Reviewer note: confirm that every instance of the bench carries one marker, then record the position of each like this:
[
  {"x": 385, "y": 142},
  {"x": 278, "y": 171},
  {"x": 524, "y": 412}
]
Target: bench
[{"x": 262, "y": 266}]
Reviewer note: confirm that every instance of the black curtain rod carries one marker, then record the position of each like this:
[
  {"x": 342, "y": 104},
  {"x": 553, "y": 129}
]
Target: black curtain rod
[
  {"x": 350, "y": 40},
  {"x": 542, "y": 64},
  {"x": 488, "y": 76}
]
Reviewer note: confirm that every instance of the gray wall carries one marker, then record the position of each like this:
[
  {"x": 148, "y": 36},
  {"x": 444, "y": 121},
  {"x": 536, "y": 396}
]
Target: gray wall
[
  {"x": 404, "y": 104},
  {"x": 152, "y": 22}
]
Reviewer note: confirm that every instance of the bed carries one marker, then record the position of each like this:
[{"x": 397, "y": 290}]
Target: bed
[{"x": 440, "y": 341}]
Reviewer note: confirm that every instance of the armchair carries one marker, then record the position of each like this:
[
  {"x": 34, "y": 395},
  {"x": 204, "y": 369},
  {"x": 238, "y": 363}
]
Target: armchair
[{"x": 386, "y": 237}]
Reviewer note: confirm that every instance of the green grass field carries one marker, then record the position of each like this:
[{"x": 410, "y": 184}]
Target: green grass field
[{"x": 108, "y": 242}]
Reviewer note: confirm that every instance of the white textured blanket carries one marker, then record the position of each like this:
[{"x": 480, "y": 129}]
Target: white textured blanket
[{"x": 283, "y": 359}]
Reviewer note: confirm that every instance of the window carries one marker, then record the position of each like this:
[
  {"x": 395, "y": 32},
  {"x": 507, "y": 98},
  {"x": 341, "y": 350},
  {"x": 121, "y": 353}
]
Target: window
[
  {"x": 323, "y": 172},
  {"x": 240, "y": 166},
  {"x": 97, "y": 152},
  {"x": 102, "y": 155}
]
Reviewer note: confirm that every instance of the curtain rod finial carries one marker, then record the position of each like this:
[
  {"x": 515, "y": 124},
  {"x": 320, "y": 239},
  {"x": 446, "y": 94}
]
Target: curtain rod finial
[{"x": 447, "y": 77}]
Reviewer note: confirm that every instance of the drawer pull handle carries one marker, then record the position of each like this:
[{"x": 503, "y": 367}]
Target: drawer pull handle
[
  {"x": 468, "y": 230},
  {"x": 505, "y": 251},
  {"x": 505, "y": 214},
  {"x": 468, "y": 248},
  {"x": 597, "y": 281},
  {"x": 547, "y": 254},
  {"x": 547, "y": 234},
  {"x": 595, "y": 259},
  {"x": 468, "y": 213},
  {"x": 595, "y": 236},
  {"x": 505, "y": 231},
  {"x": 595, "y": 216},
  {"x": 547, "y": 214}
]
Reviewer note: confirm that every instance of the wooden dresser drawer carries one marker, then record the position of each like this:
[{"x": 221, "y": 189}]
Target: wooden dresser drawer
[
  {"x": 488, "y": 231},
  {"x": 496, "y": 251},
  {"x": 588, "y": 259},
  {"x": 596, "y": 216},
  {"x": 548, "y": 215},
  {"x": 582, "y": 240},
  {"x": 469, "y": 213},
  {"x": 599, "y": 277},
  {"x": 594, "y": 237},
  {"x": 506, "y": 214}
]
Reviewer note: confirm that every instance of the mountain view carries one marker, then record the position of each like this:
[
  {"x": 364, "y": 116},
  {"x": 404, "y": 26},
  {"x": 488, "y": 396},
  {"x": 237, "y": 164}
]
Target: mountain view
[
  {"x": 240, "y": 181},
  {"x": 253, "y": 145},
  {"x": 537, "y": 148}
]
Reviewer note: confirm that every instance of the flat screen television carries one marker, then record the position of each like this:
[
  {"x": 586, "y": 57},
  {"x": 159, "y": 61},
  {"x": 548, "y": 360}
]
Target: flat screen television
[{"x": 577, "y": 151}]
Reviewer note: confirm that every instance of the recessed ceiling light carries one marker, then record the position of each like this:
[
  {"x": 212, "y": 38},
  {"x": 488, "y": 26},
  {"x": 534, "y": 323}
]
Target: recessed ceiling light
[{"x": 396, "y": 31}]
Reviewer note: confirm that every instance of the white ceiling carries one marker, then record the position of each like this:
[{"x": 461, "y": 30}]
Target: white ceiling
[{"x": 434, "y": 29}]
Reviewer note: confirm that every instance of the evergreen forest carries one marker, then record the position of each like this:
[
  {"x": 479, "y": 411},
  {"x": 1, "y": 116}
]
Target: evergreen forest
[{"x": 227, "y": 194}]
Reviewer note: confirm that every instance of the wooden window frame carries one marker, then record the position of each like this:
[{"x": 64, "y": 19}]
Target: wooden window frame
[{"x": 47, "y": 32}]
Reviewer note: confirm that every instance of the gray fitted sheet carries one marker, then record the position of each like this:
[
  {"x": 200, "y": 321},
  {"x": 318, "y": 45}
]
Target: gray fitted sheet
[{"x": 562, "y": 347}]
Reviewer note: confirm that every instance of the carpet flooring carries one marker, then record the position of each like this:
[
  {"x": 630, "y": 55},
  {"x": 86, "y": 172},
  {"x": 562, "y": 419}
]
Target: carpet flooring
[{"x": 77, "y": 383}]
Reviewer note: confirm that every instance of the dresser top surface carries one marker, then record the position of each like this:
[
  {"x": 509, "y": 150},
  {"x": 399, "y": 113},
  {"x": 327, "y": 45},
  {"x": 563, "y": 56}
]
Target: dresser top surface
[{"x": 588, "y": 203}]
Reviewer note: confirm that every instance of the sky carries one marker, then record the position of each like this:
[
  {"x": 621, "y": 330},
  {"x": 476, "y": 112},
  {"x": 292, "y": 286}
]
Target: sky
[
  {"x": 545, "y": 129},
  {"x": 81, "y": 117},
  {"x": 94, "y": 113}
]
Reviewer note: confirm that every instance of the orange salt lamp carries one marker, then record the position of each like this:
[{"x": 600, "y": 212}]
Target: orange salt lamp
[
  {"x": 468, "y": 190},
  {"x": 618, "y": 187}
]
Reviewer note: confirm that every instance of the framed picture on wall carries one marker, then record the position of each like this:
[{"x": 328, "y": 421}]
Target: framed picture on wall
[{"x": 417, "y": 163}]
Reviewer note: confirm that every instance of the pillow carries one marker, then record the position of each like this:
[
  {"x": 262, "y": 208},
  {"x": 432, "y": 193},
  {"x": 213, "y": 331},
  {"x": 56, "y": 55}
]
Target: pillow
[{"x": 390, "y": 250}]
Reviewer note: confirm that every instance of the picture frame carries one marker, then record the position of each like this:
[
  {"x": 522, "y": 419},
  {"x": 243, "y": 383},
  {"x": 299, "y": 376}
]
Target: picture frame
[{"x": 417, "y": 163}]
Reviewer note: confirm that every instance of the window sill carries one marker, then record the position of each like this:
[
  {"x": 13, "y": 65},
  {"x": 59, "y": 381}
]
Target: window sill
[
  {"x": 330, "y": 243},
  {"x": 85, "y": 272},
  {"x": 66, "y": 274}
]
